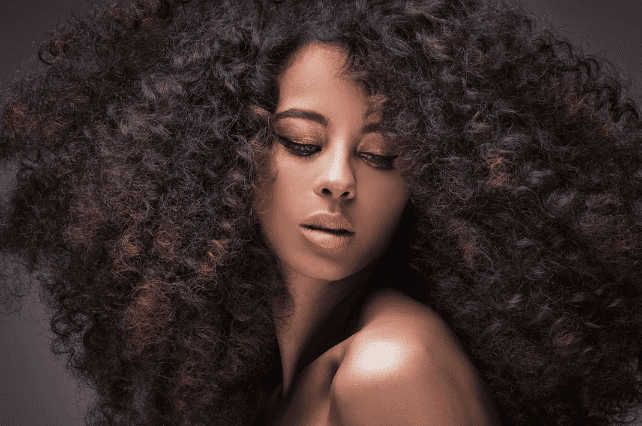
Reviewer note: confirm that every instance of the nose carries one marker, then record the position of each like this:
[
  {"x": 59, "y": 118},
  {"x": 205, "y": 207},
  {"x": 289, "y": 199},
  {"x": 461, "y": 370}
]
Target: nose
[{"x": 337, "y": 177}]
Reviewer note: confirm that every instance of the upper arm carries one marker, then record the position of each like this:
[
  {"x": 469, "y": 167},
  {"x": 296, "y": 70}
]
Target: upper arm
[{"x": 393, "y": 379}]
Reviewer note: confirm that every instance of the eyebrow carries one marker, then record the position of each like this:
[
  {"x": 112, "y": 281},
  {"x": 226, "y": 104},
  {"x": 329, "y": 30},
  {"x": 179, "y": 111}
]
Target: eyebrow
[{"x": 318, "y": 118}]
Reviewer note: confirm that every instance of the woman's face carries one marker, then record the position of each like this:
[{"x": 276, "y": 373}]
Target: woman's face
[{"x": 341, "y": 172}]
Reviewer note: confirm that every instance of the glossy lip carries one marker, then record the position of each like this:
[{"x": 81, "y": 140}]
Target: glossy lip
[
  {"x": 325, "y": 220},
  {"x": 327, "y": 240}
]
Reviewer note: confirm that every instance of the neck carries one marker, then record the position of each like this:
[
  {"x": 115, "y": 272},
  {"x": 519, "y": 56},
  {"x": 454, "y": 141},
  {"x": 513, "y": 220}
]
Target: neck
[{"x": 319, "y": 320}]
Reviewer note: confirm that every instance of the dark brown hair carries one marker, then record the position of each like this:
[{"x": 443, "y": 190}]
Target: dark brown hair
[{"x": 141, "y": 140}]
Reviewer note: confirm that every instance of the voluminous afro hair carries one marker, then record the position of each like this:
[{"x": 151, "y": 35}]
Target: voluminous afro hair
[{"x": 140, "y": 142}]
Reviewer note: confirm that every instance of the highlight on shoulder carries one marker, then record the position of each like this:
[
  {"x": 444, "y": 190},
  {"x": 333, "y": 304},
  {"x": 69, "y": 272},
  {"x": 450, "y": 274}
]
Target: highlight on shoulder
[{"x": 405, "y": 366}]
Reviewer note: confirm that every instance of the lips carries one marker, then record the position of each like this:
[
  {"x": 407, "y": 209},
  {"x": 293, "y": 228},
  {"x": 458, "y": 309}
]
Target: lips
[
  {"x": 332, "y": 231},
  {"x": 329, "y": 223},
  {"x": 328, "y": 240}
]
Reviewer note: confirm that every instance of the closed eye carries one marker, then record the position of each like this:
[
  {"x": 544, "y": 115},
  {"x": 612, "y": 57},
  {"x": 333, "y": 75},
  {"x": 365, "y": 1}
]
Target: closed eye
[
  {"x": 386, "y": 163},
  {"x": 303, "y": 150},
  {"x": 307, "y": 150}
]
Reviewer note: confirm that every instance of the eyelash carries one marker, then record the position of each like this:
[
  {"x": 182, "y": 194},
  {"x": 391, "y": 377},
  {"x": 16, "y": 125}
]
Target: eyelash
[{"x": 305, "y": 150}]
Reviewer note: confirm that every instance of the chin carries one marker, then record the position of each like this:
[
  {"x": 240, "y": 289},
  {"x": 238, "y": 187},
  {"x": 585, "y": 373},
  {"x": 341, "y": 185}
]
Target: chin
[
  {"x": 329, "y": 274},
  {"x": 325, "y": 270},
  {"x": 331, "y": 271}
]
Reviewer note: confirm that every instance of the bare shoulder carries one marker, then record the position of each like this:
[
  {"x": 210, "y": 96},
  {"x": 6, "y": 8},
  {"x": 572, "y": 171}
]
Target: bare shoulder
[
  {"x": 388, "y": 312},
  {"x": 383, "y": 303},
  {"x": 405, "y": 361}
]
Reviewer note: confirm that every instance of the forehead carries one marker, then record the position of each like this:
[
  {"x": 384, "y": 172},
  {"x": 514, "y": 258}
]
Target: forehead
[
  {"x": 316, "y": 59},
  {"x": 316, "y": 76}
]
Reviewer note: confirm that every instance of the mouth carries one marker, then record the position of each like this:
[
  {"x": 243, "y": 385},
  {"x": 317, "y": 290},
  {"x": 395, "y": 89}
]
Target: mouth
[
  {"x": 331, "y": 231},
  {"x": 328, "y": 240}
]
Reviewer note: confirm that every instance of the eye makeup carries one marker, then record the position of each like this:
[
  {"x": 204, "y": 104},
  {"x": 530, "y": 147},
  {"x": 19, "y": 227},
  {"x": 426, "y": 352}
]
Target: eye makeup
[{"x": 309, "y": 150}]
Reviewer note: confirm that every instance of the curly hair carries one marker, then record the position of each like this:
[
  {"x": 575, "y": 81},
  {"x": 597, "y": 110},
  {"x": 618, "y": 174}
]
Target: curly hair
[{"x": 140, "y": 142}]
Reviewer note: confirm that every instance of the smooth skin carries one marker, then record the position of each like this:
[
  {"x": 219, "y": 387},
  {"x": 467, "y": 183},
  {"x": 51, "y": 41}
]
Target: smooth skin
[
  {"x": 406, "y": 367},
  {"x": 329, "y": 156},
  {"x": 342, "y": 176}
]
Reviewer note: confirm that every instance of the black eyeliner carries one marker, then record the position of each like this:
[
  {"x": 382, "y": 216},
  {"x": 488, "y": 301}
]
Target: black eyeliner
[{"x": 301, "y": 150}]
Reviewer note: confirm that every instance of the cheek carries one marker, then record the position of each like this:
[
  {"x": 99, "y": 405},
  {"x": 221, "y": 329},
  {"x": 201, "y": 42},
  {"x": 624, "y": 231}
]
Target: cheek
[
  {"x": 262, "y": 203},
  {"x": 262, "y": 199},
  {"x": 293, "y": 181},
  {"x": 387, "y": 202},
  {"x": 277, "y": 204},
  {"x": 387, "y": 199}
]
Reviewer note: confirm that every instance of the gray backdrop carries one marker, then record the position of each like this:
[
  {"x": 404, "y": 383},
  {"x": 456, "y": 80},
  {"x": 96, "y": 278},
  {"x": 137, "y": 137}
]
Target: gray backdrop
[{"x": 35, "y": 388}]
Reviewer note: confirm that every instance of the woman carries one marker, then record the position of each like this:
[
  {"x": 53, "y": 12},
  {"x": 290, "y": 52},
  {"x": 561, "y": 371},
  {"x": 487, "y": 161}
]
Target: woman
[{"x": 331, "y": 212}]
